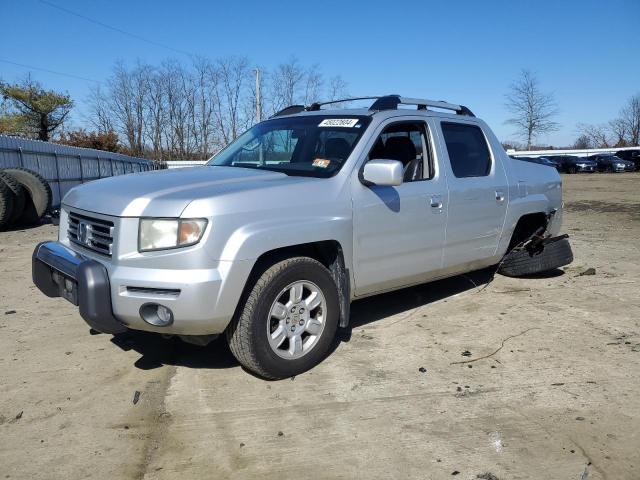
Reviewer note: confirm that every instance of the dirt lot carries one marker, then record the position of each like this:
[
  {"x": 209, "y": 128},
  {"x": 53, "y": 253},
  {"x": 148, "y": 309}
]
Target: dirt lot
[{"x": 559, "y": 400}]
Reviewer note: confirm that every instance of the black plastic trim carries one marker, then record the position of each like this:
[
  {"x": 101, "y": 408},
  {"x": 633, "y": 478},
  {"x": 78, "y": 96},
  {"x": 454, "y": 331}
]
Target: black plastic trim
[
  {"x": 290, "y": 110},
  {"x": 388, "y": 102},
  {"x": 94, "y": 290}
]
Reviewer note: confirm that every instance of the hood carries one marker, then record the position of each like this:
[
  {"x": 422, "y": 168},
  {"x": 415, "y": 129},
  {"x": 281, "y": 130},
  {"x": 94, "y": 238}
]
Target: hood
[{"x": 166, "y": 193}]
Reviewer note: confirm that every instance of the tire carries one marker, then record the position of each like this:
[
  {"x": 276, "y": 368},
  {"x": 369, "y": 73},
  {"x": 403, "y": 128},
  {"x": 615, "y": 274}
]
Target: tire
[
  {"x": 6, "y": 204},
  {"x": 519, "y": 263},
  {"x": 19, "y": 195},
  {"x": 248, "y": 335},
  {"x": 38, "y": 198}
]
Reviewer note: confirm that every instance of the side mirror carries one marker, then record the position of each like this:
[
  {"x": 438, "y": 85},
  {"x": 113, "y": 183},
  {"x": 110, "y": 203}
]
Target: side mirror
[{"x": 383, "y": 172}]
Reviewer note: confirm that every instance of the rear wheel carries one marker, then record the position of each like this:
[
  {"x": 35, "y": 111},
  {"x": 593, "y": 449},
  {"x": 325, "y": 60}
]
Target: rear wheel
[
  {"x": 519, "y": 263},
  {"x": 288, "y": 320}
]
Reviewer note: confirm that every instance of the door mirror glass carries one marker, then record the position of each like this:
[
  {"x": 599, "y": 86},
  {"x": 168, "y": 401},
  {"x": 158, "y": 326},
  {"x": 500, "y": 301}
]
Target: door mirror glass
[{"x": 383, "y": 172}]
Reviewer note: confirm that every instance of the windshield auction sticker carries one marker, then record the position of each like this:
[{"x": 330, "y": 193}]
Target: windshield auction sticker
[
  {"x": 321, "y": 162},
  {"x": 339, "y": 122}
]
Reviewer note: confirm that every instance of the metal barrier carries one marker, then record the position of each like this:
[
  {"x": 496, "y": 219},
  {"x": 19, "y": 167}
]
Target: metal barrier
[
  {"x": 577, "y": 152},
  {"x": 64, "y": 166}
]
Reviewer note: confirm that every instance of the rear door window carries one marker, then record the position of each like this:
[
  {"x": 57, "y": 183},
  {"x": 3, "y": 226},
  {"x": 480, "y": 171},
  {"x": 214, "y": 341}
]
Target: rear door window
[{"x": 468, "y": 150}]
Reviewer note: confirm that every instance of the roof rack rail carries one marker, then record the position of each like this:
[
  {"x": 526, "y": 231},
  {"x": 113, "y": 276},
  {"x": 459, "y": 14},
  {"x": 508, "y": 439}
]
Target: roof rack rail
[
  {"x": 391, "y": 102},
  {"x": 385, "y": 102},
  {"x": 316, "y": 105}
]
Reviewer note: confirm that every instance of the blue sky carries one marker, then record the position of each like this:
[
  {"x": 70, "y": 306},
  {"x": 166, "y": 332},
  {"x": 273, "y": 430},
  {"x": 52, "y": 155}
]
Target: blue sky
[{"x": 586, "y": 52}]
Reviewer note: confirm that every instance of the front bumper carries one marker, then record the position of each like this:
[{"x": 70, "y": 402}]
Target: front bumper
[
  {"x": 585, "y": 168},
  {"x": 110, "y": 296},
  {"x": 60, "y": 272}
]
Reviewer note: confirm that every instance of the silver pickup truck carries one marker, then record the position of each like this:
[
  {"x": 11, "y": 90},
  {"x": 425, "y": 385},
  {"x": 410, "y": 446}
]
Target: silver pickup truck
[{"x": 303, "y": 213}]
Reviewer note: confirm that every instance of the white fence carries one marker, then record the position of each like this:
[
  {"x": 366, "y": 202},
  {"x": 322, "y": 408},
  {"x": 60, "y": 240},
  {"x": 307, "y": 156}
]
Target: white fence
[
  {"x": 185, "y": 163},
  {"x": 580, "y": 153}
]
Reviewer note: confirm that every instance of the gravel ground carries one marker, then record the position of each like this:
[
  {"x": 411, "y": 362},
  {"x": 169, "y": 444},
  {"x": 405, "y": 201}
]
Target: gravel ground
[{"x": 557, "y": 396}]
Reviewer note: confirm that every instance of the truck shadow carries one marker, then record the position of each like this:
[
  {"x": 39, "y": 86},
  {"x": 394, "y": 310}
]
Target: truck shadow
[
  {"x": 157, "y": 351},
  {"x": 405, "y": 301}
]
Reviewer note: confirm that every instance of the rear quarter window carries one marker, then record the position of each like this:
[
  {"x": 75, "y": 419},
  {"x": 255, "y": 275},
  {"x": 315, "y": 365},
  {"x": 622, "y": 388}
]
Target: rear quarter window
[{"x": 468, "y": 150}]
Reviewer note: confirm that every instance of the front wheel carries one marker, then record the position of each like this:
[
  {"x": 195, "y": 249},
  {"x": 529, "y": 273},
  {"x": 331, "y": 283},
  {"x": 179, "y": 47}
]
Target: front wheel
[{"x": 288, "y": 320}]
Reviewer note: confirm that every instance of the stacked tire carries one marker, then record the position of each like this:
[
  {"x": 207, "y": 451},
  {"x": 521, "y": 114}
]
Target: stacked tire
[{"x": 25, "y": 197}]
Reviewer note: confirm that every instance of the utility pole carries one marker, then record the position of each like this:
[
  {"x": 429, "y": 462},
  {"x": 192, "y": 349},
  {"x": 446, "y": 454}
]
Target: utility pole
[
  {"x": 258, "y": 99},
  {"x": 259, "y": 114}
]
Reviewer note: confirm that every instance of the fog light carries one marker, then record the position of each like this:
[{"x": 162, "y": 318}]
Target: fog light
[{"x": 156, "y": 315}]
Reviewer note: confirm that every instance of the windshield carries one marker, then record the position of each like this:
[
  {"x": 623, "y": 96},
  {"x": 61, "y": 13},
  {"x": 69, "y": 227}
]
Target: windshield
[{"x": 315, "y": 146}]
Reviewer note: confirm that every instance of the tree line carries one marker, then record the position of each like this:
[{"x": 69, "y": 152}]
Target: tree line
[
  {"x": 622, "y": 131},
  {"x": 178, "y": 111},
  {"x": 173, "y": 110}
]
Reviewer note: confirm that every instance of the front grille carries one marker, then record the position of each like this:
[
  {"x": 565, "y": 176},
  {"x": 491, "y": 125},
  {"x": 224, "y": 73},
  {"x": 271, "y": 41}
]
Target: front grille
[{"x": 91, "y": 233}]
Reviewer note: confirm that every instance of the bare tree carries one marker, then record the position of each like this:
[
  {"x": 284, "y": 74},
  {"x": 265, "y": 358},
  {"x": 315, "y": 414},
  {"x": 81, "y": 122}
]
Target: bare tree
[
  {"x": 100, "y": 116},
  {"x": 582, "y": 142},
  {"x": 630, "y": 116},
  {"x": 338, "y": 89},
  {"x": 532, "y": 109},
  {"x": 286, "y": 84},
  {"x": 619, "y": 130},
  {"x": 127, "y": 103},
  {"x": 233, "y": 77},
  {"x": 598, "y": 135},
  {"x": 179, "y": 91},
  {"x": 205, "y": 82},
  {"x": 313, "y": 85},
  {"x": 173, "y": 111},
  {"x": 156, "y": 115}
]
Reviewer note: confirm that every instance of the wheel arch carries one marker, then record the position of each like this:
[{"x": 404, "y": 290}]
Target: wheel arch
[
  {"x": 526, "y": 226},
  {"x": 329, "y": 253}
]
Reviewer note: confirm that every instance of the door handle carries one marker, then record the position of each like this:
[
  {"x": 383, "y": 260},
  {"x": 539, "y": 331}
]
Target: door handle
[
  {"x": 499, "y": 196},
  {"x": 436, "y": 201}
]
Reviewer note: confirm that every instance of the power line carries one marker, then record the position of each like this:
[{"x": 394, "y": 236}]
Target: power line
[
  {"x": 115, "y": 29},
  {"x": 70, "y": 75}
]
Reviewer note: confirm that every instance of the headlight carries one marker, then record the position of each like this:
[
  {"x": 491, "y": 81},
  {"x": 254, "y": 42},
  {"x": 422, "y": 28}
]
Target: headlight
[{"x": 162, "y": 234}]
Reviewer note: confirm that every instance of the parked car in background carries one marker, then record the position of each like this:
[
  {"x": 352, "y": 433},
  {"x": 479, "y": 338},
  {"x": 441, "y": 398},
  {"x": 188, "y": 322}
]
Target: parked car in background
[
  {"x": 630, "y": 155},
  {"x": 607, "y": 162},
  {"x": 573, "y": 164},
  {"x": 539, "y": 161}
]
